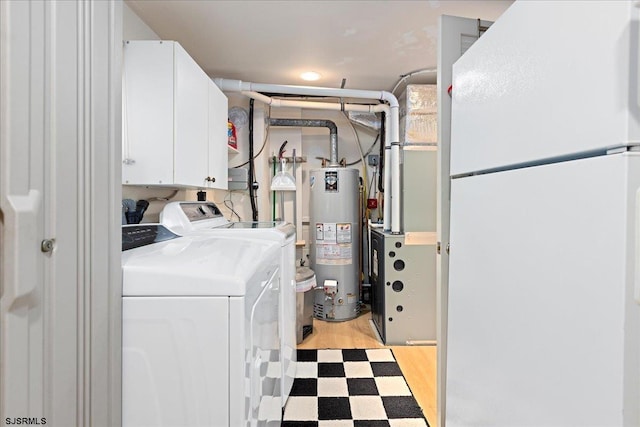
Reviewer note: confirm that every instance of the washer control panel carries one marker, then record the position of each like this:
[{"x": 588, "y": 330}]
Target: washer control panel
[
  {"x": 199, "y": 211},
  {"x": 135, "y": 236}
]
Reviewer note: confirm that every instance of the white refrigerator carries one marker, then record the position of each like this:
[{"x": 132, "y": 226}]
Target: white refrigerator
[{"x": 544, "y": 285}]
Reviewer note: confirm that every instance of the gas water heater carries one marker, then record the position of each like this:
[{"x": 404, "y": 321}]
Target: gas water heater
[{"x": 335, "y": 242}]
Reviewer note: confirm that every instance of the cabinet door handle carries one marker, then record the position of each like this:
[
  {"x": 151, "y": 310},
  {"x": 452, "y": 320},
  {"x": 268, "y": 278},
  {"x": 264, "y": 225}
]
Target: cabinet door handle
[{"x": 210, "y": 179}]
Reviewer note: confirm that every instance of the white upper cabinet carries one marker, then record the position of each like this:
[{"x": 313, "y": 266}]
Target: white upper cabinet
[
  {"x": 174, "y": 133},
  {"x": 218, "y": 137},
  {"x": 191, "y": 126}
]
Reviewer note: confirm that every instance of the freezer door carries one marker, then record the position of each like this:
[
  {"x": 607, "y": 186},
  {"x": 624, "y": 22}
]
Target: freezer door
[
  {"x": 543, "y": 326},
  {"x": 530, "y": 89}
]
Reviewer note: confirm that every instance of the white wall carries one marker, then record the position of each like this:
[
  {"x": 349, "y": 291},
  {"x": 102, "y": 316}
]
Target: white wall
[{"x": 134, "y": 28}]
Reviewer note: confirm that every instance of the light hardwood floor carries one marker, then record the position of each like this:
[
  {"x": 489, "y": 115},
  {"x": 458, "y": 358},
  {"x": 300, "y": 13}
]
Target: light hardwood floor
[{"x": 418, "y": 363}]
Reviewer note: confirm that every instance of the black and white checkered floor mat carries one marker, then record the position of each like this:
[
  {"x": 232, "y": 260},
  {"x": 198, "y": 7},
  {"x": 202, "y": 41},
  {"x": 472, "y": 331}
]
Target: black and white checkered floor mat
[{"x": 350, "y": 388}]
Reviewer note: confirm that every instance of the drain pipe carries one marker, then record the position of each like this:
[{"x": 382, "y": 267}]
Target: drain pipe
[
  {"x": 300, "y": 123},
  {"x": 392, "y": 144}
]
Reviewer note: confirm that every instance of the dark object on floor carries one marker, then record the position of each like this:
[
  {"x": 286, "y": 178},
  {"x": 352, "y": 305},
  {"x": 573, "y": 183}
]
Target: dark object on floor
[
  {"x": 306, "y": 331},
  {"x": 365, "y": 387}
]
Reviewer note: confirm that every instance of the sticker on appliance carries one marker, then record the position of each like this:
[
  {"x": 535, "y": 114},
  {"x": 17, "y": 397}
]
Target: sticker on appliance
[
  {"x": 334, "y": 254},
  {"x": 343, "y": 232},
  {"x": 319, "y": 231},
  {"x": 331, "y": 181},
  {"x": 329, "y": 231}
]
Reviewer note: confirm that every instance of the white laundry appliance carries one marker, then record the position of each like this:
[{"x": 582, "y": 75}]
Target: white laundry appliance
[
  {"x": 189, "y": 218},
  {"x": 544, "y": 286},
  {"x": 200, "y": 333}
]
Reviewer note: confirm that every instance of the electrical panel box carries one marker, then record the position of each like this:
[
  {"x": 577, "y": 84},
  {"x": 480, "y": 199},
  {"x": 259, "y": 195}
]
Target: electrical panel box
[
  {"x": 403, "y": 289},
  {"x": 238, "y": 179}
]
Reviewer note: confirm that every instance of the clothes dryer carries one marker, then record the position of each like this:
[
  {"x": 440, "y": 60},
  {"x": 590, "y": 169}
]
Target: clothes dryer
[
  {"x": 190, "y": 218},
  {"x": 200, "y": 329}
]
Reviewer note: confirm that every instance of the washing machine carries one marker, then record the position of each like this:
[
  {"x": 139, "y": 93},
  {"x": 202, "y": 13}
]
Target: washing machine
[
  {"x": 200, "y": 329},
  {"x": 189, "y": 218}
]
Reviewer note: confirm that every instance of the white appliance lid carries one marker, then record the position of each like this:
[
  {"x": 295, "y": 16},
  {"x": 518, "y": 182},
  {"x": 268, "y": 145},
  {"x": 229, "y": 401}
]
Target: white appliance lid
[
  {"x": 189, "y": 217},
  {"x": 198, "y": 265}
]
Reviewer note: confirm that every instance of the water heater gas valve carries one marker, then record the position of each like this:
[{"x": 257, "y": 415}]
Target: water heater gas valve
[{"x": 331, "y": 287}]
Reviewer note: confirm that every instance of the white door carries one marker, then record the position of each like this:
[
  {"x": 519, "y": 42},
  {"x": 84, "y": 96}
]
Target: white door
[
  {"x": 59, "y": 216},
  {"x": 455, "y": 37},
  {"x": 543, "y": 330}
]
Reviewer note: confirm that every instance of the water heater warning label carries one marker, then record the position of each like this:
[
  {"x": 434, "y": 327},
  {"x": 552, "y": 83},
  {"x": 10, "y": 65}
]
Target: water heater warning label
[
  {"x": 343, "y": 233},
  {"x": 333, "y": 233},
  {"x": 333, "y": 254},
  {"x": 331, "y": 181},
  {"x": 326, "y": 231},
  {"x": 333, "y": 243}
]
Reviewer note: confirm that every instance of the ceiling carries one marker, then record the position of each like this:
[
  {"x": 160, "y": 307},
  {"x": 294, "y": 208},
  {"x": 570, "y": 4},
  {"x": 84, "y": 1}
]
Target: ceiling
[{"x": 371, "y": 44}]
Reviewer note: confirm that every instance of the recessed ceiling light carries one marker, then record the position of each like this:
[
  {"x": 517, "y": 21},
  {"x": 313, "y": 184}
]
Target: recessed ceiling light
[{"x": 310, "y": 76}]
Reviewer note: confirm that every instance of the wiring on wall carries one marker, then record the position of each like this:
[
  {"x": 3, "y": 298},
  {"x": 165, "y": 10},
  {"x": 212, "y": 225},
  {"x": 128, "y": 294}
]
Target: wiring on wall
[
  {"x": 252, "y": 166},
  {"x": 357, "y": 139},
  {"x": 228, "y": 202},
  {"x": 163, "y": 199},
  {"x": 366, "y": 153},
  {"x": 264, "y": 143},
  {"x": 253, "y": 194}
]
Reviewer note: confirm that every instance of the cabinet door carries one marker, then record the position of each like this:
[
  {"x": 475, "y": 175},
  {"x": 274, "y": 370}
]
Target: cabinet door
[
  {"x": 147, "y": 140},
  {"x": 218, "y": 154},
  {"x": 191, "y": 121}
]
